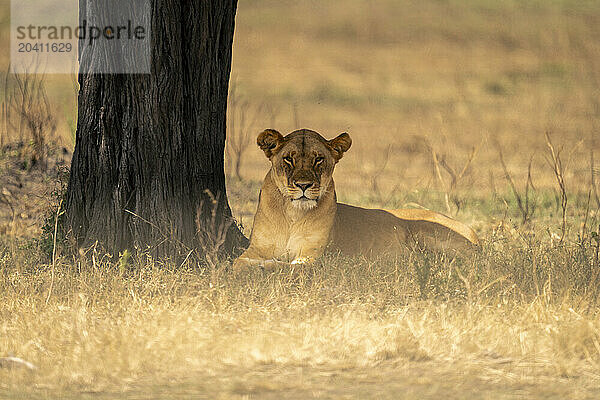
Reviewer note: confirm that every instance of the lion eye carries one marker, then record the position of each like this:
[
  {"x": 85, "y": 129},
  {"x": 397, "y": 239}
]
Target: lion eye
[
  {"x": 318, "y": 160},
  {"x": 288, "y": 160}
]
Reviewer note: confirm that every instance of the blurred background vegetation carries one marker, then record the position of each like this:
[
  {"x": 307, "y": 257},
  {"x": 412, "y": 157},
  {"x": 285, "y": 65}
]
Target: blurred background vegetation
[
  {"x": 433, "y": 93},
  {"x": 486, "y": 110}
]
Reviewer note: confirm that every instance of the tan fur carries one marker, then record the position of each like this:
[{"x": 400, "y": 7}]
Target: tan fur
[
  {"x": 298, "y": 216},
  {"x": 367, "y": 231}
]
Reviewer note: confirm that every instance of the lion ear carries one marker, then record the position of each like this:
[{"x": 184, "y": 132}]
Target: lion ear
[
  {"x": 340, "y": 145},
  {"x": 269, "y": 141}
]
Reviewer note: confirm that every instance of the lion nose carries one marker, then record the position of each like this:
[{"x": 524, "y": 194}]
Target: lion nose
[{"x": 303, "y": 185}]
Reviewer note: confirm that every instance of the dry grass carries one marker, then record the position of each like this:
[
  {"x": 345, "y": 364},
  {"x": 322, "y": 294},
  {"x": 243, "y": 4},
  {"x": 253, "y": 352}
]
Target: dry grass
[
  {"x": 419, "y": 86},
  {"x": 474, "y": 323}
]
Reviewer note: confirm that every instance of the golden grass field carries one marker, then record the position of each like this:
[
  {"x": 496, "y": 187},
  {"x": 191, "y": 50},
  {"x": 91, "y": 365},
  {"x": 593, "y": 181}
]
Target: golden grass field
[{"x": 434, "y": 94}]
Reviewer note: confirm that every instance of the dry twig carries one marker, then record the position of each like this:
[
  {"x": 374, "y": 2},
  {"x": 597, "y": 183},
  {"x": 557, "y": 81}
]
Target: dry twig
[
  {"x": 526, "y": 206},
  {"x": 456, "y": 175},
  {"x": 239, "y": 136},
  {"x": 556, "y": 164},
  {"x": 58, "y": 214}
]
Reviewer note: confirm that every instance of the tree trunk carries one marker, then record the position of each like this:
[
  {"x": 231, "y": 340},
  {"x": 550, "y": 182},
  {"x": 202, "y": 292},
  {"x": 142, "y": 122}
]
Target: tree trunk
[{"x": 148, "y": 169}]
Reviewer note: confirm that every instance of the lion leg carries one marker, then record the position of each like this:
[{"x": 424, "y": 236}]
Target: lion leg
[
  {"x": 308, "y": 252},
  {"x": 252, "y": 259}
]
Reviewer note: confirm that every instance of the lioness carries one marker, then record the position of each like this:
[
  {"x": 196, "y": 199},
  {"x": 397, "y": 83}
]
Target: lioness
[{"x": 298, "y": 215}]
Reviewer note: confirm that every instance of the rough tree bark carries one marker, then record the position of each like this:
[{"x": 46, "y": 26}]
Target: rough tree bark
[{"x": 148, "y": 159}]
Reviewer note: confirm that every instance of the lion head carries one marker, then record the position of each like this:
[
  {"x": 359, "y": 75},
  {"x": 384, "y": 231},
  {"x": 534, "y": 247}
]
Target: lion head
[{"x": 302, "y": 163}]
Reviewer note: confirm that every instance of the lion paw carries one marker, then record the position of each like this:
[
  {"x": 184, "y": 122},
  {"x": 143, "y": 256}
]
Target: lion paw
[
  {"x": 244, "y": 264},
  {"x": 302, "y": 260}
]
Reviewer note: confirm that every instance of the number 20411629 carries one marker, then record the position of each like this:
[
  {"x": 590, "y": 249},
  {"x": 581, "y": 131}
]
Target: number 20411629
[{"x": 45, "y": 47}]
